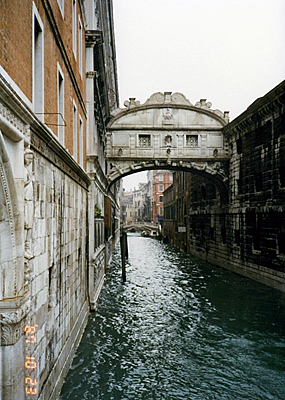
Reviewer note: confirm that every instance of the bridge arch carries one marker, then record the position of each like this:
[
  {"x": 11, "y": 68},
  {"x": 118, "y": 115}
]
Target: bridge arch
[{"x": 168, "y": 132}]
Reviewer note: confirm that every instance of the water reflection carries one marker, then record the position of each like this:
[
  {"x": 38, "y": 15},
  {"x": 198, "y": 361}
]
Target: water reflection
[{"x": 180, "y": 329}]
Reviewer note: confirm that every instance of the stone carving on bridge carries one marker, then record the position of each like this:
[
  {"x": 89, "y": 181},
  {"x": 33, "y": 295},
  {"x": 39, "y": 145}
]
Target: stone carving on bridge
[
  {"x": 168, "y": 117},
  {"x": 131, "y": 103},
  {"x": 168, "y": 140},
  {"x": 168, "y": 98}
]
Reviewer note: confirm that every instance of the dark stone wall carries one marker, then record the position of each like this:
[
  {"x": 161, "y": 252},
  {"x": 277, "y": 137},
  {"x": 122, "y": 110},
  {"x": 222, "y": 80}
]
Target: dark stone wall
[{"x": 246, "y": 235}]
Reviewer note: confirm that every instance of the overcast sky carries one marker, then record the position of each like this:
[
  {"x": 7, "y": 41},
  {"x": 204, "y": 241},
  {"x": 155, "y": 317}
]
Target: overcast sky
[{"x": 229, "y": 52}]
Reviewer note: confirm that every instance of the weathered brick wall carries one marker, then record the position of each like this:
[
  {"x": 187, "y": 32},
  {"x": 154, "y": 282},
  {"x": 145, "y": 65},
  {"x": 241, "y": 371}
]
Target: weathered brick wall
[{"x": 16, "y": 42}]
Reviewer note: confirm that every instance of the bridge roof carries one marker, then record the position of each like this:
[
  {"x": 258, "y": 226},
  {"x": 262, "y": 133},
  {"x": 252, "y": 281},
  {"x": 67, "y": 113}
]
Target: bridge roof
[{"x": 167, "y": 111}]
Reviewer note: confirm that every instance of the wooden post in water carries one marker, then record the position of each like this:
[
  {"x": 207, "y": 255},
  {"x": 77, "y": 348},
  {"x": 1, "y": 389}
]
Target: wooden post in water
[
  {"x": 123, "y": 255},
  {"x": 126, "y": 240}
]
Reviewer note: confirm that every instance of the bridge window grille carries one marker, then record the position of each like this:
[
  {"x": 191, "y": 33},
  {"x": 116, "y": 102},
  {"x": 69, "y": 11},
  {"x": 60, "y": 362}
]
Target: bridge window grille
[
  {"x": 192, "y": 140},
  {"x": 144, "y": 140}
]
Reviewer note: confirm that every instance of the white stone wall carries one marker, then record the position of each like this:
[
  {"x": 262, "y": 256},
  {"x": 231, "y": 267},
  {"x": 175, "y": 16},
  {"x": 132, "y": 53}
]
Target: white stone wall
[{"x": 59, "y": 278}]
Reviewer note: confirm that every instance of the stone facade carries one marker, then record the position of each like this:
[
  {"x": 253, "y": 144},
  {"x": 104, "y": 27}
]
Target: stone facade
[
  {"x": 166, "y": 132},
  {"x": 59, "y": 217},
  {"x": 243, "y": 231}
]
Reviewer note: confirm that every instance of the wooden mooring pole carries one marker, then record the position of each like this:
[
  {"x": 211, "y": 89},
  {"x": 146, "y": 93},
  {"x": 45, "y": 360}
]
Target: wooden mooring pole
[
  {"x": 126, "y": 241},
  {"x": 124, "y": 253}
]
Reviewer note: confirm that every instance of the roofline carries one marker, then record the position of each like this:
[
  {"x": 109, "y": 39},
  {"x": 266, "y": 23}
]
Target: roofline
[{"x": 122, "y": 112}]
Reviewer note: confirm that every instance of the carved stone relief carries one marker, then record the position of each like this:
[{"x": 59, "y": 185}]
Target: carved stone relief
[
  {"x": 29, "y": 203},
  {"x": 7, "y": 213},
  {"x": 13, "y": 120},
  {"x": 12, "y": 324}
]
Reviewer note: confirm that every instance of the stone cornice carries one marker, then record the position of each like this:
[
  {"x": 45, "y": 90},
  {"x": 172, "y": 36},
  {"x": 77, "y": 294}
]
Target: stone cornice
[
  {"x": 42, "y": 138},
  {"x": 11, "y": 101},
  {"x": 62, "y": 49},
  {"x": 12, "y": 319},
  {"x": 48, "y": 146},
  {"x": 264, "y": 107}
]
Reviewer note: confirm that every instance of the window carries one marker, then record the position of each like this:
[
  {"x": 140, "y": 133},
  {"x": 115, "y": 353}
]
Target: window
[
  {"x": 258, "y": 173},
  {"x": 282, "y": 162},
  {"x": 281, "y": 235},
  {"x": 160, "y": 210},
  {"x": 61, "y": 5},
  {"x": 237, "y": 229},
  {"x": 257, "y": 231},
  {"x": 160, "y": 188},
  {"x": 239, "y": 145},
  {"x": 74, "y": 132},
  {"x": 81, "y": 142},
  {"x": 38, "y": 65},
  {"x": 60, "y": 105},
  {"x": 160, "y": 178},
  {"x": 258, "y": 181},
  {"x": 144, "y": 140},
  {"x": 171, "y": 177},
  {"x": 74, "y": 27},
  {"x": 192, "y": 140},
  {"x": 240, "y": 180},
  {"x": 282, "y": 175},
  {"x": 80, "y": 47},
  {"x": 160, "y": 199}
]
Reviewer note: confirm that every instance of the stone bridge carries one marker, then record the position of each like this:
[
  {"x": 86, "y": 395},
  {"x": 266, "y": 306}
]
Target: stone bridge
[
  {"x": 168, "y": 132},
  {"x": 141, "y": 227}
]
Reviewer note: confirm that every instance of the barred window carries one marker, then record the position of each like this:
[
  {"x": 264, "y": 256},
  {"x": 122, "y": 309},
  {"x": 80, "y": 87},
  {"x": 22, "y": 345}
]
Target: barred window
[
  {"x": 192, "y": 140},
  {"x": 144, "y": 140}
]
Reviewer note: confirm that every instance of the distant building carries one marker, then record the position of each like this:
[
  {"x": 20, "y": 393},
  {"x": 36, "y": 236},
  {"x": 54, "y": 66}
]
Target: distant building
[
  {"x": 161, "y": 180},
  {"x": 128, "y": 206}
]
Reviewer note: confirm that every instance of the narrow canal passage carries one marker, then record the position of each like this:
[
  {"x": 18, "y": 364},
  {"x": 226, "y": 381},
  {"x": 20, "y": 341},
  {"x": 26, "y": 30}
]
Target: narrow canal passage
[{"x": 180, "y": 329}]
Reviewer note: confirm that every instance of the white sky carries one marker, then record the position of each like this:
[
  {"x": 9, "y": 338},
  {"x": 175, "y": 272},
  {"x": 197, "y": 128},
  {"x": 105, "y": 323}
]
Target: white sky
[{"x": 229, "y": 52}]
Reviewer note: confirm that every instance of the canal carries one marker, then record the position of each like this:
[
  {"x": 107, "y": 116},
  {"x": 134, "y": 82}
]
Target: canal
[{"x": 179, "y": 328}]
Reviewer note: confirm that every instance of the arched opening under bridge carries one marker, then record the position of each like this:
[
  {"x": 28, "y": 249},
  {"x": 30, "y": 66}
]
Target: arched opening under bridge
[{"x": 168, "y": 132}]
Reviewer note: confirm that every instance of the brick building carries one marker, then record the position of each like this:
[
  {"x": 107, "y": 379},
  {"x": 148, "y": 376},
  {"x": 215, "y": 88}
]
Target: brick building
[{"x": 161, "y": 180}]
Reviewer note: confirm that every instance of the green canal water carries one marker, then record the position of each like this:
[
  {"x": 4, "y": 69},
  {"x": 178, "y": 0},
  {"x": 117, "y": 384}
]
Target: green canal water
[{"x": 179, "y": 328}]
